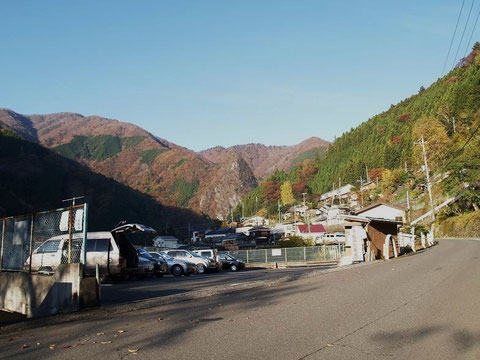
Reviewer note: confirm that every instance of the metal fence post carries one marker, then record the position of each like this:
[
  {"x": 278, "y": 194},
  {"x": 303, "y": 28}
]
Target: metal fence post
[
  {"x": 32, "y": 228},
  {"x": 85, "y": 234},
  {"x": 247, "y": 256},
  {"x": 70, "y": 221},
  {"x": 304, "y": 254},
  {"x": 266, "y": 260},
  {"x": 3, "y": 245},
  {"x": 324, "y": 252},
  {"x": 286, "y": 260}
]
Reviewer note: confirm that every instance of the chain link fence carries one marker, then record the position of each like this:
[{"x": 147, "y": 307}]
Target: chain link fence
[
  {"x": 42, "y": 240},
  {"x": 296, "y": 255}
]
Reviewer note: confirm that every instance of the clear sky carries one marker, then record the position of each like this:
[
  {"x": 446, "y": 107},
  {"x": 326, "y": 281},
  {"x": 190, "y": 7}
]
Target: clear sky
[{"x": 206, "y": 73}]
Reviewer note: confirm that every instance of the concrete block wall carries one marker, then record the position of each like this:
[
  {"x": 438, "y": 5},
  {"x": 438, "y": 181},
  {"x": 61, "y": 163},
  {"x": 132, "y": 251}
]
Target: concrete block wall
[{"x": 39, "y": 295}]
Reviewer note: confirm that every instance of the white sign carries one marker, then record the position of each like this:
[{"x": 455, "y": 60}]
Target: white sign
[
  {"x": 64, "y": 221},
  {"x": 357, "y": 235},
  {"x": 79, "y": 220},
  {"x": 276, "y": 252}
]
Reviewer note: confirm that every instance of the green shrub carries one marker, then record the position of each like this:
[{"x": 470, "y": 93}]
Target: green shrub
[{"x": 295, "y": 241}]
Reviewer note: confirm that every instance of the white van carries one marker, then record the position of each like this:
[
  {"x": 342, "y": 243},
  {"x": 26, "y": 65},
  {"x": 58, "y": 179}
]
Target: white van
[
  {"x": 334, "y": 238},
  {"x": 112, "y": 251}
]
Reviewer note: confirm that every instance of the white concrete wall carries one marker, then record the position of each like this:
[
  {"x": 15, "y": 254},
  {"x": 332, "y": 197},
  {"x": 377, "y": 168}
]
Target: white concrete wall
[{"x": 41, "y": 295}]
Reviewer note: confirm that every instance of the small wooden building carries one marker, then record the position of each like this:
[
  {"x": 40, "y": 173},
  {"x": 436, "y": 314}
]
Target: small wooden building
[{"x": 376, "y": 230}]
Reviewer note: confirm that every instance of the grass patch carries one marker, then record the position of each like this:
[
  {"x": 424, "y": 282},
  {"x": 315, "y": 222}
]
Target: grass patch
[
  {"x": 149, "y": 156},
  {"x": 465, "y": 225}
]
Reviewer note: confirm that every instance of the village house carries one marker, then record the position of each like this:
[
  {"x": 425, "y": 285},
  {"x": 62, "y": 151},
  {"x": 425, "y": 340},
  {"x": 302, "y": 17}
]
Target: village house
[
  {"x": 165, "y": 242},
  {"x": 255, "y": 221},
  {"x": 314, "y": 232}
]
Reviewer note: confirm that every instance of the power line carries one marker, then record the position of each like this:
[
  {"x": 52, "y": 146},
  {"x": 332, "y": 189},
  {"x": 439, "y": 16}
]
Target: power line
[
  {"x": 460, "y": 151},
  {"x": 471, "y": 34},
  {"x": 453, "y": 37},
  {"x": 463, "y": 33}
]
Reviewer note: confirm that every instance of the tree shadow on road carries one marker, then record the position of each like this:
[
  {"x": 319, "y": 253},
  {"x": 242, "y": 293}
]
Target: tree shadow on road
[{"x": 174, "y": 323}]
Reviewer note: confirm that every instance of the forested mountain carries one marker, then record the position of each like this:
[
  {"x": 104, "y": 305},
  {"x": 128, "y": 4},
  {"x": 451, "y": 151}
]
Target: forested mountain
[
  {"x": 445, "y": 114},
  {"x": 169, "y": 173},
  {"x": 210, "y": 183},
  {"x": 33, "y": 178}
]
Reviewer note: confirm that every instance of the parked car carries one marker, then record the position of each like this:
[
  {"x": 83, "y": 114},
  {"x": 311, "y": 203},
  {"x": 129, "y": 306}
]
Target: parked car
[
  {"x": 145, "y": 268},
  {"x": 333, "y": 238},
  {"x": 202, "y": 264},
  {"x": 176, "y": 267},
  {"x": 229, "y": 262},
  {"x": 212, "y": 255},
  {"x": 160, "y": 266},
  {"x": 111, "y": 250}
]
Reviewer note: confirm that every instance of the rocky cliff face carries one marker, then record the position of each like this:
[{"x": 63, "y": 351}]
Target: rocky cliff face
[
  {"x": 264, "y": 160},
  {"x": 232, "y": 180}
]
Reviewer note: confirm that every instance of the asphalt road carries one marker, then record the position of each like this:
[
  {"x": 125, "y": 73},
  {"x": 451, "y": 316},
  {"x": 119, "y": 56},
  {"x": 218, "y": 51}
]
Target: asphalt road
[
  {"x": 124, "y": 292},
  {"x": 425, "y": 306}
]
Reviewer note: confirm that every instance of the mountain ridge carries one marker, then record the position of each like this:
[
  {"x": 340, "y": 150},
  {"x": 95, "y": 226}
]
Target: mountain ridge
[{"x": 171, "y": 174}]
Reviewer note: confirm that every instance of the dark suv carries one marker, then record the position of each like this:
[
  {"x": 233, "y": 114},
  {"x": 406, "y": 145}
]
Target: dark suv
[{"x": 229, "y": 262}]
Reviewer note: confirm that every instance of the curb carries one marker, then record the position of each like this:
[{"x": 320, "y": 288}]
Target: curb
[{"x": 88, "y": 314}]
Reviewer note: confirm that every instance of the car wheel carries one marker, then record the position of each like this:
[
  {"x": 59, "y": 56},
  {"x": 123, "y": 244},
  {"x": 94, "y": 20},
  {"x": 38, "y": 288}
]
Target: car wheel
[
  {"x": 200, "y": 268},
  {"x": 233, "y": 267},
  {"x": 176, "y": 270}
]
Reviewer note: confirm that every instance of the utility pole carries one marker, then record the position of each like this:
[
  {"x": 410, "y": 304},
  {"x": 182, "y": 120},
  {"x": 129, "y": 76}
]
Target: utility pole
[
  {"x": 408, "y": 207},
  {"x": 361, "y": 190},
  {"x": 256, "y": 210},
  {"x": 279, "y": 213},
  {"x": 366, "y": 173},
  {"x": 303, "y": 194},
  {"x": 339, "y": 186},
  {"x": 427, "y": 173},
  {"x": 333, "y": 192}
]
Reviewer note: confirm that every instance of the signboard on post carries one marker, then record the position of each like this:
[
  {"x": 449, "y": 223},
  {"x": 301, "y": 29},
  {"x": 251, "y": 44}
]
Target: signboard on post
[{"x": 358, "y": 233}]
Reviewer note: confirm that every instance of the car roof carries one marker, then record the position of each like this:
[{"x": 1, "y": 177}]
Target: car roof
[{"x": 90, "y": 235}]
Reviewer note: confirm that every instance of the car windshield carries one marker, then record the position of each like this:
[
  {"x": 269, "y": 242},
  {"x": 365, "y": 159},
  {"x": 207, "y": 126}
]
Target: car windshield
[
  {"x": 155, "y": 255},
  {"x": 144, "y": 253},
  {"x": 193, "y": 254}
]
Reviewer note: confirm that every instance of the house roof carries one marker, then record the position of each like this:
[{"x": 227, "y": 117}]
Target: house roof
[
  {"x": 257, "y": 228},
  {"x": 219, "y": 232},
  {"x": 313, "y": 228},
  {"x": 376, "y": 205},
  {"x": 165, "y": 237}
]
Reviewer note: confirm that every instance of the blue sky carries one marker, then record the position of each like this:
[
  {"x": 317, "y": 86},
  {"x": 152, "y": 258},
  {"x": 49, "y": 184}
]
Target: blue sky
[{"x": 206, "y": 73}]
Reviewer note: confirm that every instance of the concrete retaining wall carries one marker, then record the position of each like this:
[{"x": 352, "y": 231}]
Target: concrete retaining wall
[{"x": 39, "y": 295}]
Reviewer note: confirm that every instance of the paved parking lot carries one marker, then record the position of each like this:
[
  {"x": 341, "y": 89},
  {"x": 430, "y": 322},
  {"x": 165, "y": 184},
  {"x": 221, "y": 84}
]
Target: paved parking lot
[{"x": 134, "y": 290}]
